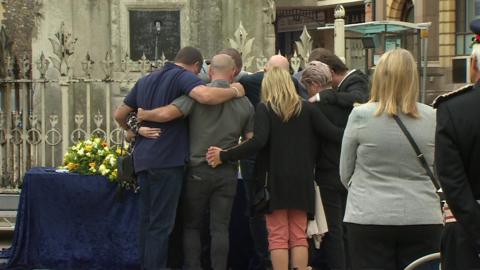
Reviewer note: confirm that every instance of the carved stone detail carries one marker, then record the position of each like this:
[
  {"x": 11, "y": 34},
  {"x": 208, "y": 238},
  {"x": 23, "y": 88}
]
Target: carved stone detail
[
  {"x": 304, "y": 46},
  {"x": 107, "y": 66},
  {"x": 63, "y": 47},
  {"x": 243, "y": 45}
]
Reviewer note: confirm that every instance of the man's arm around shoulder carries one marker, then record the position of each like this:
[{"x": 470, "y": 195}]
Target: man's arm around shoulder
[
  {"x": 180, "y": 107},
  {"x": 214, "y": 95}
]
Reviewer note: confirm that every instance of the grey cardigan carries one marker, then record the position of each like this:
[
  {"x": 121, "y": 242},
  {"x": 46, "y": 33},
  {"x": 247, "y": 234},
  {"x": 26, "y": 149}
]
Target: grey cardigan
[{"x": 385, "y": 181}]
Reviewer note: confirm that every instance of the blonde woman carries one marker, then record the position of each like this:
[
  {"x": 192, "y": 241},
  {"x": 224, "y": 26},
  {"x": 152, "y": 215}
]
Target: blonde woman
[
  {"x": 285, "y": 133},
  {"x": 393, "y": 215}
]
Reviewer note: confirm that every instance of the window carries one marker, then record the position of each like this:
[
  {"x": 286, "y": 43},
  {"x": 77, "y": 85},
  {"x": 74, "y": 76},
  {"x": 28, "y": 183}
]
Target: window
[{"x": 466, "y": 11}]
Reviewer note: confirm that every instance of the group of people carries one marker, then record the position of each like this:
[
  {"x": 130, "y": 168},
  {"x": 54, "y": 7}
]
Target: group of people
[{"x": 327, "y": 126}]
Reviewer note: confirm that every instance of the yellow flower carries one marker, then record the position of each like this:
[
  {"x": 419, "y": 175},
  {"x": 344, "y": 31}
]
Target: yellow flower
[
  {"x": 72, "y": 166},
  {"x": 118, "y": 151},
  {"x": 88, "y": 147},
  {"x": 97, "y": 140},
  {"x": 92, "y": 165}
]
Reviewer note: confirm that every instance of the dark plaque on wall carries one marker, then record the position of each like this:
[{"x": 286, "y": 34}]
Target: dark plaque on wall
[{"x": 154, "y": 32}]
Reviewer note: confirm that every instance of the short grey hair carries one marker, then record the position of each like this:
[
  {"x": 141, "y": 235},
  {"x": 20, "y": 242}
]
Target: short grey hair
[
  {"x": 318, "y": 72},
  {"x": 222, "y": 63}
]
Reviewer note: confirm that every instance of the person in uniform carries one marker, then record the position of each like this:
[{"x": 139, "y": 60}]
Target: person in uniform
[{"x": 457, "y": 156}]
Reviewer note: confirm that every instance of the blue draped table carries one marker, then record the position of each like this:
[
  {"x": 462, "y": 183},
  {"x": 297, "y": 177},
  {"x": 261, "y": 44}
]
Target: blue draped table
[{"x": 70, "y": 221}]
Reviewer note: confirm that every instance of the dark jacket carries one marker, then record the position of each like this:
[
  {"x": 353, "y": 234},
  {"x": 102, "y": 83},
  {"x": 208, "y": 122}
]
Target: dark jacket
[
  {"x": 353, "y": 89},
  {"x": 337, "y": 105},
  {"x": 327, "y": 167},
  {"x": 457, "y": 156},
  {"x": 253, "y": 87},
  {"x": 291, "y": 154}
]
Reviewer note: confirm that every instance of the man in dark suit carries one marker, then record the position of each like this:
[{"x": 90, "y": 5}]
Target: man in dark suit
[
  {"x": 335, "y": 95},
  {"x": 317, "y": 79},
  {"x": 457, "y": 157},
  {"x": 350, "y": 86},
  {"x": 253, "y": 82}
]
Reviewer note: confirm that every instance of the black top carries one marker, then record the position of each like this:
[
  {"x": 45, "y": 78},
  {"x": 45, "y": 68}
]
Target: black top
[
  {"x": 327, "y": 168},
  {"x": 353, "y": 89},
  {"x": 292, "y": 150},
  {"x": 457, "y": 156},
  {"x": 253, "y": 87}
]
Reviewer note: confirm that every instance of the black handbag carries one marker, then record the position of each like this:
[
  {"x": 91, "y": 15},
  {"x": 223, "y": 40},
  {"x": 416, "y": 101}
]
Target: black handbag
[
  {"x": 125, "y": 165},
  {"x": 261, "y": 198},
  {"x": 420, "y": 157}
]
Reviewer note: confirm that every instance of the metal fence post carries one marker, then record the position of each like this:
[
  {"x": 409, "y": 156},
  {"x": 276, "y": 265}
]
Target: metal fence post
[{"x": 64, "y": 88}]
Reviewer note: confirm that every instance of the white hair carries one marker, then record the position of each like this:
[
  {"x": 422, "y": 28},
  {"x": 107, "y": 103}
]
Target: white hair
[{"x": 476, "y": 54}]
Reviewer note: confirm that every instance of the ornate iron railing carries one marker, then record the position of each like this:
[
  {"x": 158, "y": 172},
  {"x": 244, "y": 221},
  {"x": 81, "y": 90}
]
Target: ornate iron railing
[{"x": 40, "y": 118}]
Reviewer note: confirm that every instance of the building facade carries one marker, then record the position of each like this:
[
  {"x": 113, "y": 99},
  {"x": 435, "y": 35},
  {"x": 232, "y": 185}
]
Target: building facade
[
  {"x": 128, "y": 27},
  {"x": 449, "y": 36}
]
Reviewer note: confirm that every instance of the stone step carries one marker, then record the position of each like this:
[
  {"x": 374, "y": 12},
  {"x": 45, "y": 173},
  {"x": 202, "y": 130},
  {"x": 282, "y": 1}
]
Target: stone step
[
  {"x": 8, "y": 210},
  {"x": 9, "y": 201},
  {"x": 7, "y": 220}
]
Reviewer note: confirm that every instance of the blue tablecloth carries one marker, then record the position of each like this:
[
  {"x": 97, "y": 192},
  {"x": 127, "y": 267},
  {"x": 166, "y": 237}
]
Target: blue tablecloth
[{"x": 69, "y": 221}]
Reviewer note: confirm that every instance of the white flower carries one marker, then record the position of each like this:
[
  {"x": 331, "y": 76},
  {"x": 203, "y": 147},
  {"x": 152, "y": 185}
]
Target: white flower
[
  {"x": 101, "y": 152},
  {"x": 81, "y": 152},
  {"x": 97, "y": 140},
  {"x": 103, "y": 169},
  {"x": 112, "y": 161},
  {"x": 88, "y": 154}
]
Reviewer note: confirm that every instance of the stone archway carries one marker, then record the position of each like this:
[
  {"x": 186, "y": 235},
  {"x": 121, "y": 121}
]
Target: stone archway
[{"x": 395, "y": 9}]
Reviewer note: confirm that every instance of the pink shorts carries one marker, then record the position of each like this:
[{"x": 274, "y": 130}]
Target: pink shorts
[{"x": 287, "y": 229}]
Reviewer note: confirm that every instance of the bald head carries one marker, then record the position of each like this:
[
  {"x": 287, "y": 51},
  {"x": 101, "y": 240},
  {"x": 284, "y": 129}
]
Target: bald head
[
  {"x": 277, "y": 61},
  {"x": 222, "y": 67}
]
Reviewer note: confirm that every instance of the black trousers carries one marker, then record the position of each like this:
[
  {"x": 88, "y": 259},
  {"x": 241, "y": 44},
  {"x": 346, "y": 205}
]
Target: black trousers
[
  {"x": 382, "y": 247},
  {"x": 258, "y": 226},
  {"x": 332, "y": 252},
  {"x": 458, "y": 251},
  {"x": 214, "y": 190}
]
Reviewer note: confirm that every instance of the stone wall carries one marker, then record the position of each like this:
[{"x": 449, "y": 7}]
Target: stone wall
[
  {"x": 20, "y": 17},
  {"x": 104, "y": 25}
]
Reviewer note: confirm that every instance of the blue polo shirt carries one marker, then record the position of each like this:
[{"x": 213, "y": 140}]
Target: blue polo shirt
[{"x": 155, "y": 90}]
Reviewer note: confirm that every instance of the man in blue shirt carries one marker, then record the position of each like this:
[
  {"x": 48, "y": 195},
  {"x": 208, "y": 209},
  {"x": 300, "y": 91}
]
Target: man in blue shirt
[{"x": 160, "y": 164}]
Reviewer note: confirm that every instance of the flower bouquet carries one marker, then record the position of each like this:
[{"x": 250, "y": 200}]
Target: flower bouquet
[{"x": 94, "y": 157}]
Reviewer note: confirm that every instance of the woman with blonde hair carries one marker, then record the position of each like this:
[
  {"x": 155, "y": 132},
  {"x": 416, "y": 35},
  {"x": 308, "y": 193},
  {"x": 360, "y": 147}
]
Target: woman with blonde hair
[
  {"x": 285, "y": 133},
  {"x": 393, "y": 214}
]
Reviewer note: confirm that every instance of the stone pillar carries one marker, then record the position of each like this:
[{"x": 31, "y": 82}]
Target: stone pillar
[
  {"x": 269, "y": 18},
  {"x": 380, "y": 10},
  {"x": 339, "y": 36},
  {"x": 446, "y": 32},
  {"x": 369, "y": 10}
]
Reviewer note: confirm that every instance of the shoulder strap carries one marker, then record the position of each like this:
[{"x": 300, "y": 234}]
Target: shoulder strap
[{"x": 420, "y": 156}]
